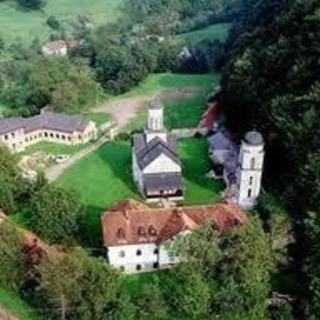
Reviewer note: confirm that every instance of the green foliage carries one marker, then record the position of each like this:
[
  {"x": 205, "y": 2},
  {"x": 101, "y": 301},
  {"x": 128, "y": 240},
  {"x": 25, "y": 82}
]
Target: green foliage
[
  {"x": 40, "y": 81},
  {"x": 81, "y": 287},
  {"x": 31, "y": 4},
  {"x": 59, "y": 211},
  {"x": 12, "y": 263},
  {"x": 236, "y": 266},
  {"x": 53, "y": 23}
]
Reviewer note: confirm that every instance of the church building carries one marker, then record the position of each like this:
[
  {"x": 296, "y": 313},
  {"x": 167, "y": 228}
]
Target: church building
[{"x": 155, "y": 163}]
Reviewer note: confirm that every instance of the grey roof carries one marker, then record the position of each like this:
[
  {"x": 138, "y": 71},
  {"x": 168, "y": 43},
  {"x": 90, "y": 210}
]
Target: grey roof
[
  {"x": 48, "y": 120},
  {"x": 220, "y": 141},
  {"x": 165, "y": 181},
  {"x": 148, "y": 152},
  {"x": 254, "y": 138}
]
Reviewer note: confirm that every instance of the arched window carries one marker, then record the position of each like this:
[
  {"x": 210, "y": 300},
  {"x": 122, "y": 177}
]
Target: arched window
[
  {"x": 139, "y": 252},
  {"x": 138, "y": 267},
  {"x": 152, "y": 231},
  {"x": 251, "y": 181},
  {"x": 249, "y": 193},
  {"x": 253, "y": 163},
  {"x": 122, "y": 254},
  {"x": 156, "y": 251}
]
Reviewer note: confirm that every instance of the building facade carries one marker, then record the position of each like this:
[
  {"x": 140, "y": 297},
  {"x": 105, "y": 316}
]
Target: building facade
[
  {"x": 155, "y": 163},
  {"x": 138, "y": 238},
  {"x": 19, "y": 133},
  {"x": 250, "y": 169}
]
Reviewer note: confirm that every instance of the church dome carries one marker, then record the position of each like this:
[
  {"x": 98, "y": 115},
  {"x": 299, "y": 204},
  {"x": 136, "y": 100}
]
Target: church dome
[{"x": 254, "y": 138}]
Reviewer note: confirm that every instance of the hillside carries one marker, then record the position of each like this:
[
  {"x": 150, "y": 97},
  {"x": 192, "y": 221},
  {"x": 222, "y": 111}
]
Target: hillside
[{"x": 26, "y": 25}]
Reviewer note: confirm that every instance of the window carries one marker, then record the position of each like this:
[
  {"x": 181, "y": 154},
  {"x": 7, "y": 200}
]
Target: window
[
  {"x": 6, "y": 137},
  {"x": 156, "y": 265},
  {"x": 253, "y": 163},
  {"x": 12, "y": 134},
  {"x": 141, "y": 231},
  {"x": 139, "y": 252},
  {"x": 249, "y": 193},
  {"x": 122, "y": 254},
  {"x": 156, "y": 251},
  {"x": 152, "y": 231},
  {"x": 121, "y": 234},
  {"x": 51, "y": 135},
  {"x": 138, "y": 267},
  {"x": 46, "y": 134},
  {"x": 122, "y": 268},
  {"x": 63, "y": 137},
  {"x": 57, "y": 136},
  {"x": 251, "y": 181}
]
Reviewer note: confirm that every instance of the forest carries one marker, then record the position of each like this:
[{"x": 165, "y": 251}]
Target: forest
[{"x": 266, "y": 269}]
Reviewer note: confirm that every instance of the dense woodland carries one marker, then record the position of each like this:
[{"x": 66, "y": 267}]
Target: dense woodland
[{"x": 270, "y": 67}]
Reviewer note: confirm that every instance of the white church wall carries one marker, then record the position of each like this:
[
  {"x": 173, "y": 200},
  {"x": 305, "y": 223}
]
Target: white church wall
[
  {"x": 162, "y": 164},
  {"x": 248, "y": 153}
]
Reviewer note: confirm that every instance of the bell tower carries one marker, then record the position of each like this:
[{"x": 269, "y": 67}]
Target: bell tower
[
  {"x": 250, "y": 169},
  {"x": 155, "y": 125}
]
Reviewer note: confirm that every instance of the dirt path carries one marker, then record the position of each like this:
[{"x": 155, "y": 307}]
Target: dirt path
[
  {"x": 55, "y": 171},
  {"x": 124, "y": 109}
]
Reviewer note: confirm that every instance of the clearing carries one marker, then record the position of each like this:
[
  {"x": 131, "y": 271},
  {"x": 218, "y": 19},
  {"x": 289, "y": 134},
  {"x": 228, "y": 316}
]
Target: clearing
[
  {"x": 25, "y": 25},
  {"x": 13, "y": 304},
  {"x": 104, "y": 177},
  {"x": 183, "y": 96},
  {"x": 217, "y": 31}
]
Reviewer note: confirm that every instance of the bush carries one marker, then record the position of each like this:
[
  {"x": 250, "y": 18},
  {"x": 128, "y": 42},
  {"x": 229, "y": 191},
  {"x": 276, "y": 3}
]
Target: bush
[
  {"x": 31, "y": 4},
  {"x": 53, "y": 23}
]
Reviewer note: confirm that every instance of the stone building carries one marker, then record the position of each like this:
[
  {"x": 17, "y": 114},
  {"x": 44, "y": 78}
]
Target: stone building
[
  {"x": 240, "y": 167},
  {"x": 155, "y": 163},
  {"x": 19, "y": 133},
  {"x": 138, "y": 238}
]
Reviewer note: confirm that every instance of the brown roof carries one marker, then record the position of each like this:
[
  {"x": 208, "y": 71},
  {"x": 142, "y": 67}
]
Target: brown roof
[{"x": 135, "y": 223}]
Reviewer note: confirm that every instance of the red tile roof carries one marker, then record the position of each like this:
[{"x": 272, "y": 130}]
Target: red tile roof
[
  {"x": 211, "y": 116},
  {"x": 132, "y": 222}
]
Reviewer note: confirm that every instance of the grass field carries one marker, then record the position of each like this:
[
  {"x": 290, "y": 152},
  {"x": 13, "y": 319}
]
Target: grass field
[
  {"x": 26, "y": 25},
  {"x": 214, "y": 32},
  {"x": 104, "y": 177},
  {"x": 13, "y": 304}
]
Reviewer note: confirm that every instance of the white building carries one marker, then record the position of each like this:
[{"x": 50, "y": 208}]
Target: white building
[
  {"x": 55, "y": 48},
  {"x": 19, "y": 133},
  {"x": 241, "y": 168},
  {"x": 155, "y": 163},
  {"x": 138, "y": 238},
  {"x": 250, "y": 169}
]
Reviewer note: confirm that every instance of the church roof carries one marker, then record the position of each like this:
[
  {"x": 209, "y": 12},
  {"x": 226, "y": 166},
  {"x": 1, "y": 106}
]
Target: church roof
[
  {"x": 148, "y": 152},
  {"x": 141, "y": 224},
  {"x": 163, "y": 181}
]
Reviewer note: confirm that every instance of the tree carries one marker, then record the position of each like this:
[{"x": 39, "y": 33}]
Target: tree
[
  {"x": 12, "y": 270},
  {"x": 59, "y": 211},
  {"x": 31, "y": 4},
  {"x": 81, "y": 287},
  {"x": 53, "y": 23}
]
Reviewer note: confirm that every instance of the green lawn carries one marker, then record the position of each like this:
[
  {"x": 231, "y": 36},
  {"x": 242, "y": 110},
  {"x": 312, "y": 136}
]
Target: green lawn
[
  {"x": 12, "y": 303},
  {"x": 53, "y": 148},
  {"x": 104, "y": 177},
  {"x": 17, "y": 23},
  {"x": 214, "y": 32}
]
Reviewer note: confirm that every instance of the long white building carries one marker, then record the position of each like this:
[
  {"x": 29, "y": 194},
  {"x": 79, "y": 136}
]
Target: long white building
[
  {"x": 138, "y": 238},
  {"x": 19, "y": 133}
]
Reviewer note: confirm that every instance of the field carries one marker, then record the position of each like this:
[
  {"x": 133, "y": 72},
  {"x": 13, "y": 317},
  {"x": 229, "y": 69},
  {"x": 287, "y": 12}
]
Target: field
[
  {"x": 183, "y": 96},
  {"x": 104, "y": 177},
  {"x": 214, "y": 32},
  {"x": 25, "y": 25},
  {"x": 14, "y": 304}
]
